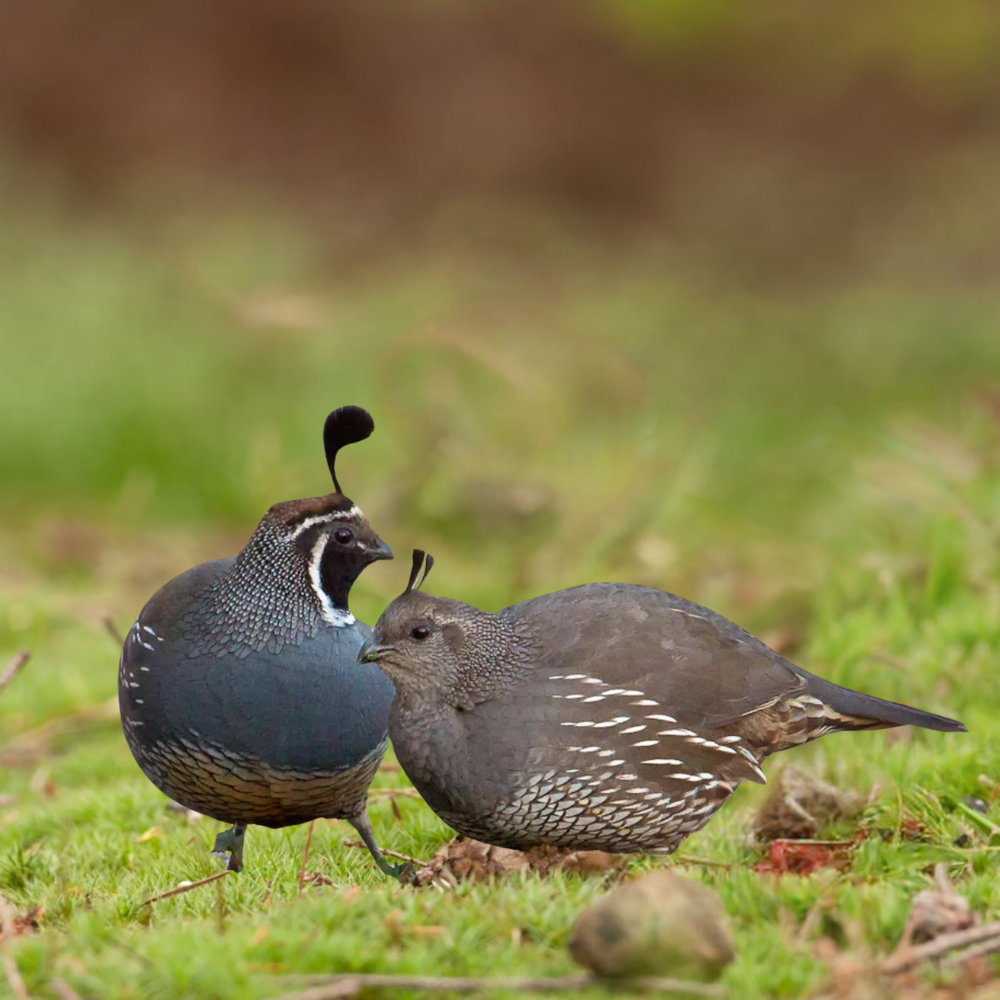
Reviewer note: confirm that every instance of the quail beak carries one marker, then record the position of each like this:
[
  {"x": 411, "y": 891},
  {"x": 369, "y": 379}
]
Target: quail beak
[
  {"x": 372, "y": 652},
  {"x": 376, "y": 549}
]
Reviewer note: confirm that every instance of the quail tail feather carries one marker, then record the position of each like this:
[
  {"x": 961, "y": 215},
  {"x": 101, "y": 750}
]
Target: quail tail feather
[{"x": 855, "y": 705}]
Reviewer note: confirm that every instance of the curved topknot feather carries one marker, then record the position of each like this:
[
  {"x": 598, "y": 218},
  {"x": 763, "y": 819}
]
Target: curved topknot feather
[
  {"x": 418, "y": 561},
  {"x": 346, "y": 425},
  {"x": 427, "y": 569}
]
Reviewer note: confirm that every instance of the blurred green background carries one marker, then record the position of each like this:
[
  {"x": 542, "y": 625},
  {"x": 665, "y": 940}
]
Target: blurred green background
[{"x": 700, "y": 295}]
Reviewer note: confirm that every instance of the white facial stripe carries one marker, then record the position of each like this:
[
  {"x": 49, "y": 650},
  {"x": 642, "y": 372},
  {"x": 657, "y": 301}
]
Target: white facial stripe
[
  {"x": 331, "y": 615},
  {"x": 335, "y": 515}
]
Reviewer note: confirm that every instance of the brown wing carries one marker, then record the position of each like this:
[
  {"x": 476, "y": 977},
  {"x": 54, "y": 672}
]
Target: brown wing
[{"x": 704, "y": 670}]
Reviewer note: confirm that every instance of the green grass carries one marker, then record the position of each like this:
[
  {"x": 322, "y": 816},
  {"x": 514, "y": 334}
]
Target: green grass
[{"x": 824, "y": 467}]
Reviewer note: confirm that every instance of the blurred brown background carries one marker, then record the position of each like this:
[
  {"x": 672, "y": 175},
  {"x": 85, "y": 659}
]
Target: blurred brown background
[{"x": 782, "y": 141}]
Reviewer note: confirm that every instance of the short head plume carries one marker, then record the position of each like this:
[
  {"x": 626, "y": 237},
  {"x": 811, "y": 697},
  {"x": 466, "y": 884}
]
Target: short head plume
[
  {"x": 346, "y": 425},
  {"x": 418, "y": 561}
]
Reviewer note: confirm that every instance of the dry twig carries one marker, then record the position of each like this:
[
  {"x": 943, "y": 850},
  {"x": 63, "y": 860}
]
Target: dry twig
[
  {"x": 63, "y": 990},
  {"x": 905, "y": 959},
  {"x": 185, "y": 887},
  {"x": 14, "y": 979},
  {"x": 7, "y": 917},
  {"x": 690, "y": 859},
  {"x": 109, "y": 626},
  {"x": 15, "y": 666},
  {"x": 973, "y": 951},
  {"x": 305, "y": 856},
  {"x": 341, "y": 987},
  {"x": 29, "y": 747}
]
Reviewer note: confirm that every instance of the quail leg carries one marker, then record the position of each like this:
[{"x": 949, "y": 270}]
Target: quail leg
[
  {"x": 362, "y": 824},
  {"x": 231, "y": 842}
]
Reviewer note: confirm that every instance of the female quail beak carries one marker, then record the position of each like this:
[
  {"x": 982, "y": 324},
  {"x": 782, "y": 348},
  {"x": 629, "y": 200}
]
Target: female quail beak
[{"x": 372, "y": 652}]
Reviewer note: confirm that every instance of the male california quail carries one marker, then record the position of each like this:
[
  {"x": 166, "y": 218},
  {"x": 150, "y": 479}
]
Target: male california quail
[
  {"x": 238, "y": 684},
  {"x": 606, "y": 717}
]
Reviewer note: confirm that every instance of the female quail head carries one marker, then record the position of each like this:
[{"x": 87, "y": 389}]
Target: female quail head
[
  {"x": 238, "y": 682},
  {"x": 606, "y": 717}
]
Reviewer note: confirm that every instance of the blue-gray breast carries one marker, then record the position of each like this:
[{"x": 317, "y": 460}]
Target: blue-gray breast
[
  {"x": 606, "y": 717},
  {"x": 238, "y": 684}
]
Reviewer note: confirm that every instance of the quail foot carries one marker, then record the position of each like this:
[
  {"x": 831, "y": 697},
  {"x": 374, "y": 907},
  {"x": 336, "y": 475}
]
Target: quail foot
[
  {"x": 238, "y": 684},
  {"x": 606, "y": 717}
]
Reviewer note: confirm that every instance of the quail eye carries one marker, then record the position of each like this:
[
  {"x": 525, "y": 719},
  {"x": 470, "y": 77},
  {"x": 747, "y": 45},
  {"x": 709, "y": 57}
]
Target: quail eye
[
  {"x": 421, "y": 632},
  {"x": 342, "y": 535}
]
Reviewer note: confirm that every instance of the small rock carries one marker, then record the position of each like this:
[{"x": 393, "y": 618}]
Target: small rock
[
  {"x": 660, "y": 925},
  {"x": 981, "y": 806}
]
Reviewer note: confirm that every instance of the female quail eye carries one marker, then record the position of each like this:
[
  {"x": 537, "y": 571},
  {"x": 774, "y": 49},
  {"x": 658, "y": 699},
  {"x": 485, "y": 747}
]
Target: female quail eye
[
  {"x": 342, "y": 535},
  {"x": 421, "y": 632}
]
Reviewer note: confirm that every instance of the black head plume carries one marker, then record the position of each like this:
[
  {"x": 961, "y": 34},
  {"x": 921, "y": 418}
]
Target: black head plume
[
  {"x": 418, "y": 561},
  {"x": 427, "y": 569},
  {"x": 346, "y": 425}
]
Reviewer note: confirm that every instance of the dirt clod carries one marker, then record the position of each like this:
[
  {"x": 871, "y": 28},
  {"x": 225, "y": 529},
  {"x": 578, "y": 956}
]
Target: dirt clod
[
  {"x": 462, "y": 859},
  {"x": 24, "y": 923},
  {"x": 801, "y": 805}
]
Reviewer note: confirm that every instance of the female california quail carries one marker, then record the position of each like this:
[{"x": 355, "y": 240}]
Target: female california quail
[
  {"x": 606, "y": 717},
  {"x": 238, "y": 684}
]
